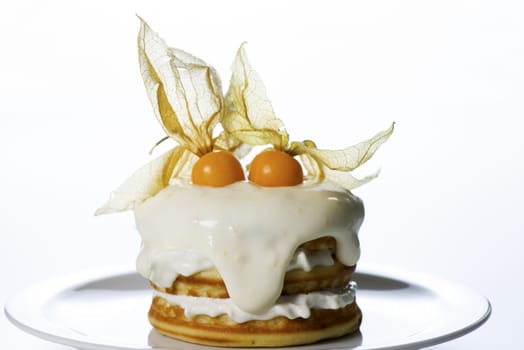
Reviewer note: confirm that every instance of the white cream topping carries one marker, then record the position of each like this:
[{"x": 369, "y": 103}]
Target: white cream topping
[
  {"x": 307, "y": 260},
  {"x": 289, "y": 306},
  {"x": 167, "y": 264},
  {"x": 248, "y": 233}
]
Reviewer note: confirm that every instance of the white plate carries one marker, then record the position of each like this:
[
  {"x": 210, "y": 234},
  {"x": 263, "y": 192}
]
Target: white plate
[{"x": 107, "y": 311}]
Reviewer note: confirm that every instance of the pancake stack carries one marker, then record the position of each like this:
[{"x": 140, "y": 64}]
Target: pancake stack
[{"x": 170, "y": 319}]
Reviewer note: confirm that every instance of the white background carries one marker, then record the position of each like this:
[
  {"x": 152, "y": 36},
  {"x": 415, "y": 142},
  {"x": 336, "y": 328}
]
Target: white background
[{"x": 75, "y": 121}]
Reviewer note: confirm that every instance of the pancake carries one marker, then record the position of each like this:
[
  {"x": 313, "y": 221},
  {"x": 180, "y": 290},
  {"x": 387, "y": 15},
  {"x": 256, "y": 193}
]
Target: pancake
[{"x": 280, "y": 331}]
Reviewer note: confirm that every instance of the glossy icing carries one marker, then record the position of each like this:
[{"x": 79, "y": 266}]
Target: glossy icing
[{"x": 250, "y": 234}]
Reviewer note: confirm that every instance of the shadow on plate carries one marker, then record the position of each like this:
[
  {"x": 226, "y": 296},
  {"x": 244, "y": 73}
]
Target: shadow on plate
[
  {"x": 157, "y": 340},
  {"x": 378, "y": 283},
  {"x": 133, "y": 281},
  {"x": 127, "y": 282}
]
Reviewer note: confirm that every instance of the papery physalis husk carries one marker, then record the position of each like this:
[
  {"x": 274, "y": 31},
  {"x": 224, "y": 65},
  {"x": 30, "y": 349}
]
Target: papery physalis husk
[
  {"x": 226, "y": 142},
  {"x": 186, "y": 95},
  {"x": 249, "y": 117},
  {"x": 248, "y": 114},
  {"x": 185, "y": 92},
  {"x": 335, "y": 165},
  {"x": 149, "y": 180}
]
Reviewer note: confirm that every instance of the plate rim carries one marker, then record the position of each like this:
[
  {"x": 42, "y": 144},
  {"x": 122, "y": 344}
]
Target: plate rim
[{"x": 60, "y": 284}]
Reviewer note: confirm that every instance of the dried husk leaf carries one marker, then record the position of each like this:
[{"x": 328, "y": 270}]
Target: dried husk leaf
[
  {"x": 316, "y": 172},
  {"x": 149, "y": 180},
  {"x": 347, "y": 159},
  {"x": 226, "y": 142},
  {"x": 313, "y": 168},
  {"x": 185, "y": 92},
  {"x": 346, "y": 179},
  {"x": 180, "y": 165},
  {"x": 335, "y": 165},
  {"x": 248, "y": 114}
]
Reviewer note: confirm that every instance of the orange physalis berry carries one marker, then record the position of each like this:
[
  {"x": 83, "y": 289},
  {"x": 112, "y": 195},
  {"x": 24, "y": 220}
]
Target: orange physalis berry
[
  {"x": 275, "y": 168},
  {"x": 217, "y": 169}
]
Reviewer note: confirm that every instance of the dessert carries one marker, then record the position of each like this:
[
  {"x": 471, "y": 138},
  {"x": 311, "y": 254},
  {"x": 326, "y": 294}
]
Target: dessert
[{"x": 265, "y": 261}]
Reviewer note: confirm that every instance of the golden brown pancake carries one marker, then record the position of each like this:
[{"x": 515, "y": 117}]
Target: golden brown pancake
[{"x": 280, "y": 331}]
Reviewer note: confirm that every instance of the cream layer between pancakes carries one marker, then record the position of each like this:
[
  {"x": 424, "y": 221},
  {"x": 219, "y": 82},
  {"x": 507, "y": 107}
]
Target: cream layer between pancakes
[
  {"x": 289, "y": 306},
  {"x": 249, "y": 233}
]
